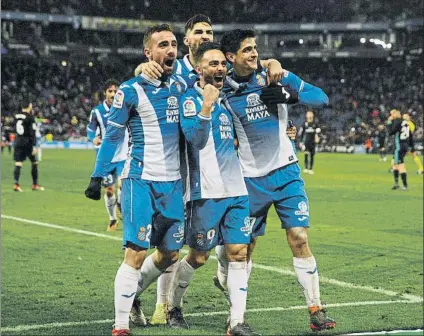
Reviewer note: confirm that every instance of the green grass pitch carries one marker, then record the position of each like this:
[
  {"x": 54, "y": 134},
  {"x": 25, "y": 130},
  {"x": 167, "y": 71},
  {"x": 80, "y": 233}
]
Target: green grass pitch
[{"x": 57, "y": 282}]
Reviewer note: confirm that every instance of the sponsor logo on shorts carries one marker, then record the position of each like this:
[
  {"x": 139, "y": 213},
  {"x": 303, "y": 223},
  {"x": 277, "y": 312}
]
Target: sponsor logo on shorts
[
  {"x": 247, "y": 227},
  {"x": 179, "y": 236},
  {"x": 303, "y": 209}
]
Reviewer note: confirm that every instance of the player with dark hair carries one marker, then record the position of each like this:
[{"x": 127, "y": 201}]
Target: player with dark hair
[
  {"x": 309, "y": 138},
  {"x": 415, "y": 155},
  {"x": 198, "y": 30},
  {"x": 269, "y": 161},
  {"x": 25, "y": 144},
  {"x": 402, "y": 134},
  {"x": 382, "y": 141},
  {"x": 96, "y": 130},
  {"x": 6, "y": 130},
  {"x": 216, "y": 195},
  {"x": 152, "y": 200}
]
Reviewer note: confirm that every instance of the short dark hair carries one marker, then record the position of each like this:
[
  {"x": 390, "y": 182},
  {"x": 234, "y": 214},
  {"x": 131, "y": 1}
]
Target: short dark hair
[
  {"x": 203, "y": 48},
  {"x": 231, "y": 41},
  {"x": 155, "y": 29},
  {"x": 25, "y": 102},
  {"x": 196, "y": 19},
  {"x": 109, "y": 83}
]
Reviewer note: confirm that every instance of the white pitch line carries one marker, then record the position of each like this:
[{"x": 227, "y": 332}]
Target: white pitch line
[
  {"x": 21, "y": 328},
  {"x": 285, "y": 271}
]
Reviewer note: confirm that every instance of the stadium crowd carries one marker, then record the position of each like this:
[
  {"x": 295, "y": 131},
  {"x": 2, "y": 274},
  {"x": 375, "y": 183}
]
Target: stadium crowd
[
  {"x": 238, "y": 10},
  {"x": 361, "y": 92}
]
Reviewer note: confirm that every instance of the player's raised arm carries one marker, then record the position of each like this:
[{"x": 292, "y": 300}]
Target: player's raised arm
[
  {"x": 308, "y": 93},
  {"x": 125, "y": 98},
  {"x": 195, "y": 120}
]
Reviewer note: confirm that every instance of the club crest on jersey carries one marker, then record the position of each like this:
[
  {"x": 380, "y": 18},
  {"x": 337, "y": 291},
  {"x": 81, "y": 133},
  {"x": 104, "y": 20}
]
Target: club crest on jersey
[
  {"x": 303, "y": 209},
  {"x": 118, "y": 100},
  {"x": 260, "y": 80},
  {"x": 255, "y": 109},
  {"x": 247, "y": 227},
  {"x": 189, "y": 108}
]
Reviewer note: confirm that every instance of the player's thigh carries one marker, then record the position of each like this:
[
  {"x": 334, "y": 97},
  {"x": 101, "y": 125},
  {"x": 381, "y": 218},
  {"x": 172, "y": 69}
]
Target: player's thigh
[
  {"x": 137, "y": 209},
  {"x": 290, "y": 200},
  {"x": 203, "y": 222},
  {"x": 310, "y": 148},
  {"x": 236, "y": 227},
  {"x": 168, "y": 224},
  {"x": 20, "y": 153},
  {"x": 260, "y": 200}
]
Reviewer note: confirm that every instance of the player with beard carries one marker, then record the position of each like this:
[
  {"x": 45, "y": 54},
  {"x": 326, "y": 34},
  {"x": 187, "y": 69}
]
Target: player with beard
[
  {"x": 96, "y": 130},
  {"x": 269, "y": 163},
  {"x": 217, "y": 203},
  {"x": 152, "y": 200},
  {"x": 198, "y": 30}
]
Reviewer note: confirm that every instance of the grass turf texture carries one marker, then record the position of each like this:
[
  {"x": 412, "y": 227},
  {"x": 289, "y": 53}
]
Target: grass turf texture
[{"x": 361, "y": 232}]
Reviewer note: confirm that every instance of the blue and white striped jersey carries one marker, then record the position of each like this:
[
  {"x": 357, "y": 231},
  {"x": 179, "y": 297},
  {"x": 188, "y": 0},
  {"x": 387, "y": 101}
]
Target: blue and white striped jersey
[
  {"x": 184, "y": 68},
  {"x": 212, "y": 165},
  {"x": 149, "y": 109},
  {"x": 97, "y": 127},
  {"x": 261, "y": 131}
]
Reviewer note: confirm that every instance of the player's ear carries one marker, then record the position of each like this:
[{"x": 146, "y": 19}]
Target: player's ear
[
  {"x": 231, "y": 57},
  {"x": 186, "y": 42},
  {"x": 147, "y": 53}
]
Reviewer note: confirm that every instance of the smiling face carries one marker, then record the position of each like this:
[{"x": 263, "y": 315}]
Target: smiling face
[
  {"x": 212, "y": 68},
  {"x": 200, "y": 33},
  {"x": 162, "y": 48},
  {"x": 245, "y": 61}
]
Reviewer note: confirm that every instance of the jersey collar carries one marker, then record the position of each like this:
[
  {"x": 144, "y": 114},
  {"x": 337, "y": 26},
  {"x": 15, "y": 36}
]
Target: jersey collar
[
  {"x": 154, "y": 82},
  {"x": 106, "y": 106},
  {"x": 187, "y": 63}
]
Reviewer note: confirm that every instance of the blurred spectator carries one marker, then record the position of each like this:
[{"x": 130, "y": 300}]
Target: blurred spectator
[{"x": 238, "y": 10}]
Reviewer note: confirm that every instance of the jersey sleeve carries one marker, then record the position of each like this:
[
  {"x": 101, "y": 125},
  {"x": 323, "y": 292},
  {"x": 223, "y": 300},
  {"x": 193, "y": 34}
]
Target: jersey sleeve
[
  {"x": 308, "y": 93},
  {"x": 92, "y": 126},
  {"x": 195, "y": 127},
  {"x": 125, "y": 99},
  {"x": 32, "y": 128}
]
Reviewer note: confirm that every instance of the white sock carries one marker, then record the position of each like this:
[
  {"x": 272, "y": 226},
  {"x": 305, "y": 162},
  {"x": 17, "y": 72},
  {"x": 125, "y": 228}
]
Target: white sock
[
  {"x": 164, "y": 282},
  {"x": 222, "y": 272},
  {"x": 237, "y": 290},
  {"x": 249, "y": 268},
  {"x": 148, "y": 274},
  {"x": 307, "y": 276},
  {"x": 110, "y": 203},
  {"x": 179, "y": 283},
  {"x": 125, "y": 288},
  {"x": 118, "y": 195}
]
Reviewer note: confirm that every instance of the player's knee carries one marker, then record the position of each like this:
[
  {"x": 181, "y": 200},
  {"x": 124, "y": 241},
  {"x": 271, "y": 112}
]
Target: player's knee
[
  {"x": 197, "y": 259},
  {"x": 109, "y": 191},
  {"x": 35, "y": 163},
  {"x": 134, "y": 257},
  {"x": 164, "y": 259},
  {"x": 236, "y": 252},
  {"x": 297, "y": 238},
  {"x": 18, "y": 164}
]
